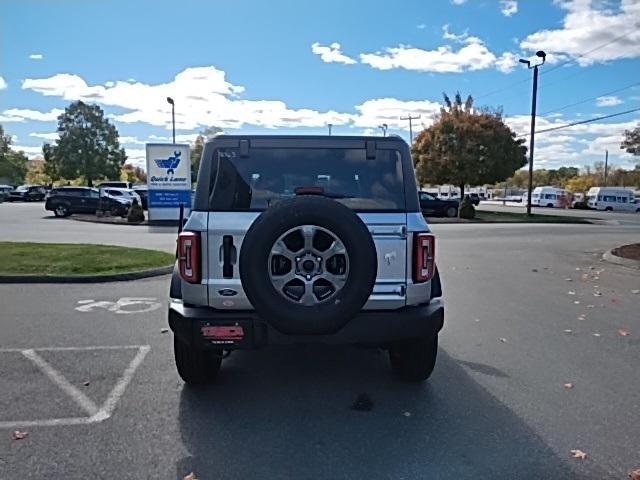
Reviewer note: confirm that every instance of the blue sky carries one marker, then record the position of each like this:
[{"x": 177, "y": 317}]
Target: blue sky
[{"x": 252, "y": 66}]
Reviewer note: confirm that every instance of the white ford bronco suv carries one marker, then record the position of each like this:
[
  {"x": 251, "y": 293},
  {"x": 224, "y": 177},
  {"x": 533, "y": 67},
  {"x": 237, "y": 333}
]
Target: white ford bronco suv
[{"x": 305, "y": 239}]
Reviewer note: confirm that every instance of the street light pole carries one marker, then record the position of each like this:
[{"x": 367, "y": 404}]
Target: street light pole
[
  {"x": 534, "y": 98},
  {"x": 329, "y": 125},
  {"x": 383, "y": 127},
  {"x": 173, "y": 117}
]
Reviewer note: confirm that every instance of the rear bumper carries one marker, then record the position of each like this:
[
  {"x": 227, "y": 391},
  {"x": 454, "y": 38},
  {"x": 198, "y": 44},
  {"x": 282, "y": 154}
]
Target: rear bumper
[{"x": 246, "y": 330}]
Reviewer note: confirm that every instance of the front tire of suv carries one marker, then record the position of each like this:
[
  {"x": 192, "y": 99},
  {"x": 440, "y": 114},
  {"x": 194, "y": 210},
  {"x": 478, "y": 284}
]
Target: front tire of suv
[
  {"x": 195, "y": 366},
  {"x": 414, "y": 360}
]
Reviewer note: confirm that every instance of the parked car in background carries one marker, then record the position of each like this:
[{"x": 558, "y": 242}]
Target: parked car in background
[
  {"x": 4, "y": 192},
  {"x": 435, "y": 207},
  {"x": 474, "y": 197},
  {"x": 550, "y": 197},
  {"x": 28, "y": 193},
  {"x": 143, "y": 192},
  {"x": 65, "y": 201},
  {"x": 612, "y": 198},
  {"x": 126, "y": 193},
  {"x": 115, "y": 184}
]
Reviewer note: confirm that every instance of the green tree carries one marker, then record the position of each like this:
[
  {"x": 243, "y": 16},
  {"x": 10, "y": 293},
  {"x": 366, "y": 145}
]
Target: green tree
[
  {"x": 631, "y": 142},
  {"x": 198, "y": 146},
  {"x": 582, "y": 183},
  {"x": 133, "y": 174},
  {"x": 13, "y": 164},
  {"x": 88, "y": 145},
  {"x": 36, "y": 173},
  {"x": 467, "y": 147},
  {"x": 51, "y": 164}
]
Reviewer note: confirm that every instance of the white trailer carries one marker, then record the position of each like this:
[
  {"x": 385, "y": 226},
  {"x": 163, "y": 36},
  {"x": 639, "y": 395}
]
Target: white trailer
[
  {"x": 550, "y": 197},
  {"x": 612, "y": 198}
]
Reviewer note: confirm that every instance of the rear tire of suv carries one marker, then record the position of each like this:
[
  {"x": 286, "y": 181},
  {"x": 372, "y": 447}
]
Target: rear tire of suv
[
  {"x": 61, "y": 210},
  {"x": 414, "y": 360},
  {"x": 451, "y": 212},
  {"x": 195, "y": 366}
]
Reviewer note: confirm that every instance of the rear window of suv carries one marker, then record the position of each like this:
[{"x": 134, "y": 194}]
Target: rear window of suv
[{"x": 267, "y": 175}]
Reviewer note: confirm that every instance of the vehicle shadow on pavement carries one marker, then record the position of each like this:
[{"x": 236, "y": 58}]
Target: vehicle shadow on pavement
[{"x": 287, "y": 414}]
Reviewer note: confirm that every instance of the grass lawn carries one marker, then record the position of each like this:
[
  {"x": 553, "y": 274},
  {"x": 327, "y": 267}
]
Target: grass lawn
[
  {"x": 485, "y": 216},
  {"x": 17, "y": 258}
]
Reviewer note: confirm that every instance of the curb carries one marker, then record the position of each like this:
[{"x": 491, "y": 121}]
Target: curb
[
  {"x": 626, "y": 262},
  {"x": 115, "y": 277},
  {"x": 88, "y": 220}
]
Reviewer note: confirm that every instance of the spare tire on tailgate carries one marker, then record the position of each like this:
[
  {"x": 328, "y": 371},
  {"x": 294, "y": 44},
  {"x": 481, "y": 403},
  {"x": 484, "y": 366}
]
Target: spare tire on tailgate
[{"x": 308, "y": 265}]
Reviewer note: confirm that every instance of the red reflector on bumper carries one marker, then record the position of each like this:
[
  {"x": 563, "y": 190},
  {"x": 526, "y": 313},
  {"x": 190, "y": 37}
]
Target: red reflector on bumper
[{"x": 235, "y": 332}]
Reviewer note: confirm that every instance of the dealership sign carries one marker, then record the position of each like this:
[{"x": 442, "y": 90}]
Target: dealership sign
[{"x": 169, "y": 180}]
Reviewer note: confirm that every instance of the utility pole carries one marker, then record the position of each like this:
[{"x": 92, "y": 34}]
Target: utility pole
[
  {"x": 410, "y": 118},
  {"x": 534, "y": 98},
  {"x": 329, "y": 125},
  {"x": 606, "y": 166}
]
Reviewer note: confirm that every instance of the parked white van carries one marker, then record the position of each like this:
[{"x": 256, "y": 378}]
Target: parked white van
[
  {"x": 612, "y": 198},
  {"x": 550, "y": 197}
]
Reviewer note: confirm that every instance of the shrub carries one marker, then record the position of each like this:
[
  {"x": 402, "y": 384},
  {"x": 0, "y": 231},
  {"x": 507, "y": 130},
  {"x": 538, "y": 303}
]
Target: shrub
[
  {"x": 466, "y": 208},
  {"x": 135, "y": 214}
]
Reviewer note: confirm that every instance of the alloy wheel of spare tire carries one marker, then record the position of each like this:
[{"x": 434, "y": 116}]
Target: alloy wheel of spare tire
[{"x": 308, "y": 265}]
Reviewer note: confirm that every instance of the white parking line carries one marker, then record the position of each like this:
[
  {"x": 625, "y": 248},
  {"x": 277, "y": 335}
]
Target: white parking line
[
  {"x": 110, "y": 404},
  {"x": 56, "y": 377},
  {"x": 69, "y": 349},
  {"x": 95, "y": 415}
]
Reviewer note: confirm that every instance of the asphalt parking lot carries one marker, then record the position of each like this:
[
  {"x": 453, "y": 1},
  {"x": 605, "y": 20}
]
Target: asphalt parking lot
[{"x": 88, "y": 373}]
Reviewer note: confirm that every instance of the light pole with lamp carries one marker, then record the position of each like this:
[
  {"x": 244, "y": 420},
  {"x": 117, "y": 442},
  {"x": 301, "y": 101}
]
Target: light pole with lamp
[
  {"x": 534, "y": 99},
  {"x": 383, "y": 127},
  {"x": 173, "y": 117}
]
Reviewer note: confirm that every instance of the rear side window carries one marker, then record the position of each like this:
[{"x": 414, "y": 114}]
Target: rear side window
[
  {"x": 70, "y": 192},
  {"x": 268, "y": 175}
]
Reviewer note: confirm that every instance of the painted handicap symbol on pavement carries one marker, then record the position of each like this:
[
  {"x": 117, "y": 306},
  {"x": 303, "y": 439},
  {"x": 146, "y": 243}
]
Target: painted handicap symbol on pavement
[{"x": 122, "y": 306}]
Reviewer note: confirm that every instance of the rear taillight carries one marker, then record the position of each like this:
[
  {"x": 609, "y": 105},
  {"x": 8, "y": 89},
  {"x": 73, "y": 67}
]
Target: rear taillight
[
  {"x": 424, "y": 257},
  {"x": 189, "y": 256}
]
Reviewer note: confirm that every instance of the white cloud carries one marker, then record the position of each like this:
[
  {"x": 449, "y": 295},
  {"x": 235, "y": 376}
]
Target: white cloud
[
  {"x": 373, "y": 113},
  {"x": 22, "y": 114},
  {"x": 202, "y": 95},
  {"x": 3, "y": 84},
  {"x": 331, "y": 53},
  {"x": 611, "y": 101},
  {"x": 447, "y": 35},
  {"x": 507, "y": 62},
  {"x": 588, "y": 25},
  {"x": 599, "y": 145},
  {"x": 29, "y": 151},
  {"x": 574, "y": 146},
  {"x": 35, "y": 56},
  {"x": 473, "y": 56},
  {"x": 137, "y": 157},
  {"x": 422, "y": 26},
  {"x": 45, "y": 136},
  {"x": 458, "y": 2},
  {"x": 125, "y": 140},
  {"x": 508, "y": 7}
]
